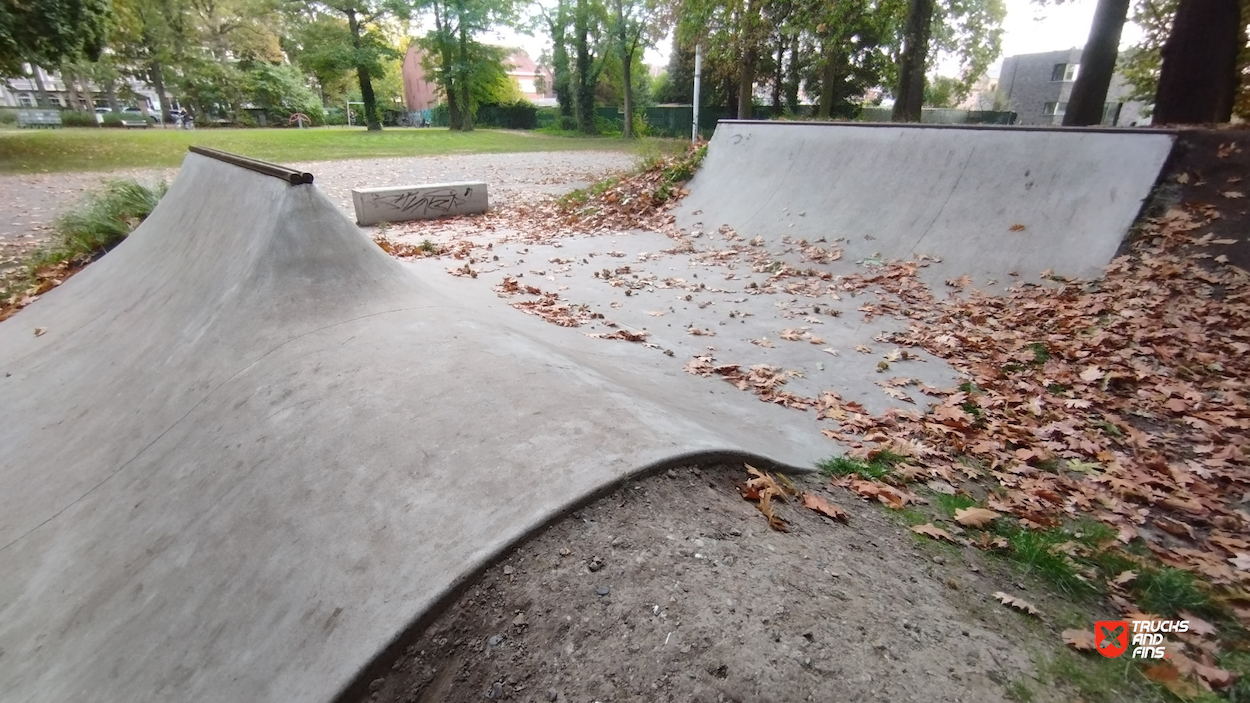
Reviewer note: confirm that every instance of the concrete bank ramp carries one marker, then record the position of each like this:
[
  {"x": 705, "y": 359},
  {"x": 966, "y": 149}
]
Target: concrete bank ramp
[
  {"x": 986, "y": 201},
  {"x": 251, "y": 448}
]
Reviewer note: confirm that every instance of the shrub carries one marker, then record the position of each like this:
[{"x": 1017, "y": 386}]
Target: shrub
[
  {"x": 112, "y": 119},
  {"x": 106, "y": 217},
  {"x": 8, "y": 115},
  {"x": 76, "y": 118},
  {"x": 335, "y": 116}
]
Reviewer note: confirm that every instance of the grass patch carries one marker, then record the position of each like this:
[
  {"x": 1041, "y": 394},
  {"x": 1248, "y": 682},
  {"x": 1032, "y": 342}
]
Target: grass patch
[
  {"x": 1044, "y": 553},
  {"x": 949, "y": 504},
  {"x": 1167, "y": 591},
  {"x": 880, "y": 466},
  {"x": 53, "y": 150},
  {"x": 84, "y": 234},
  {"x": 1101, "y": 680},
  {"x": 1019, "y": 691}
]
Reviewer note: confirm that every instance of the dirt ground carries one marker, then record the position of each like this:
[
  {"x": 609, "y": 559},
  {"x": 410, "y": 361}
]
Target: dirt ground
[
  {"x": 674, "y": 588},
  {"x": 1208, "y": 169}
]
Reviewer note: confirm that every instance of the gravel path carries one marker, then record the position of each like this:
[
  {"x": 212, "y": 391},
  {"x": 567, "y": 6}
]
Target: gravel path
[{"x": 30, "y": 202}]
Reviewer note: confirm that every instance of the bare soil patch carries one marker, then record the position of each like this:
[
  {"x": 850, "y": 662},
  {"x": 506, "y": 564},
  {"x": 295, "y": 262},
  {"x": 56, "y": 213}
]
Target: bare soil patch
[{"x": 673, "y": 588}]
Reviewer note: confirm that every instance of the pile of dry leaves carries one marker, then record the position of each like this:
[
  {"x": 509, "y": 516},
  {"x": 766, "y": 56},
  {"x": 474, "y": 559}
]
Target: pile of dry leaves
[{"x": 643, "y": 200}]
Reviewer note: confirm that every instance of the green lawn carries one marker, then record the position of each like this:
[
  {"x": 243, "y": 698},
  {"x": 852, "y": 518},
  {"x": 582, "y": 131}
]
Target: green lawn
[{"x": 85, "y": 149}]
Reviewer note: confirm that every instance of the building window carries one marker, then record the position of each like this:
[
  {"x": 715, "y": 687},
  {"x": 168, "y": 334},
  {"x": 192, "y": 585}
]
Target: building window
[
  {"x": 25, "y": 101},
  {"x": 1054, "y": 108},
  {"x": 1063, "y": 72}
]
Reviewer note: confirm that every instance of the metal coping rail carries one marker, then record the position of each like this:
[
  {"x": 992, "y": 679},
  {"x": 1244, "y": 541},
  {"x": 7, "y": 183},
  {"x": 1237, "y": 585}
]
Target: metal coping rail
[
  {"x": 982, "y": 127},
  {"x": 289, "y": 175}
]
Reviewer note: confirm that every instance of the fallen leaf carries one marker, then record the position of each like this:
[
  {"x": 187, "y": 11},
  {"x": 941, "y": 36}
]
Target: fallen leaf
[
  {"x": 1234, "y": 194},
  {"x": 1197, "y": 625},
  {"x": 762, "y": 342},
  {"x": 1091, "y": 374},
  {"x": 974, "y": 517},
  {"x": 1017, "y": 228},
  {"x": 767, "y": 489},
  {"x": 824, "y": 507},
  {"x": 1125, "y": 578},
  {"x": 928, "y": 530},
  {"x": 1017, "y": 603},
  {"x": 1080, "y": 640},
  {"x": 39, "y": 331},
  {"x": 1169, "y": 676}
]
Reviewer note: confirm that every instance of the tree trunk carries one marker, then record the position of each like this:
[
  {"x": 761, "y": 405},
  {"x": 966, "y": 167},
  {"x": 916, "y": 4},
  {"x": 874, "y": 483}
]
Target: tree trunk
[
  {"x": 779, "y": 76},
  {"x": 372, "y": 123},
  {"x": 42, "y": 99},
  {"x": 746, "y": 82},
  {"x": 89, "y": 94},
  {"x": 71, "y": 90},
  {"x": 110, "y": 93},
  {"x": 910, "y": 98},
  {"x": 747, "y": 60},
  {"x": 466, "y": 98},
  {"x": 627, "y": 129},
  {"x": 158, "y": 84},
  {"x": 1085, "y": 106},
  {"x": 793, "y": 79},
  {"x": 627, "y": 61},
  {"x": 584, "y": 95},
  {"x": 1198, "y": 79},
  {"x": 448, "y": 78},
  {"x": 828, "y": 81},
  {"x": 560, "y": 57}
]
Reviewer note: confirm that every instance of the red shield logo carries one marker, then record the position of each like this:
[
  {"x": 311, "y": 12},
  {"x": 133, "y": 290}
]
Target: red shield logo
[{"x": 1111, "y": 637}]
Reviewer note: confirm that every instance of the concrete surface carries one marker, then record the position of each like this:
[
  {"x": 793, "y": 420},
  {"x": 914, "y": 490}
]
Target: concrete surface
[
  {"x": 423, "y": 202},
  {"x": 987, "y": 202},
  {"x": 251, "y": 447}
]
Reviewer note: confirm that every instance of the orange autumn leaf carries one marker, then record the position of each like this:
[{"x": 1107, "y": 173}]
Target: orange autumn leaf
[{"x": 812, "y": 501}]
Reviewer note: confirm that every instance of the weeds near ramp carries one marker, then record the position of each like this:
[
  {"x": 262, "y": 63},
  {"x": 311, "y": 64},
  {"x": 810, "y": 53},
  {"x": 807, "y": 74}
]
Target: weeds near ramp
[{"x": 85, "y": 233}]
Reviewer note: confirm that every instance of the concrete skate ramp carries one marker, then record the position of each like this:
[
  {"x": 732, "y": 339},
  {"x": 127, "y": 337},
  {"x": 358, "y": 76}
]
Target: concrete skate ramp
[
  {"x": 986, "y": 201},
  {"x": 251, "y": 448}
]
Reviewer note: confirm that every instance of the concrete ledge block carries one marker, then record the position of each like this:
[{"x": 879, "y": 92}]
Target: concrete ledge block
[{"x": 427, "y": 202}]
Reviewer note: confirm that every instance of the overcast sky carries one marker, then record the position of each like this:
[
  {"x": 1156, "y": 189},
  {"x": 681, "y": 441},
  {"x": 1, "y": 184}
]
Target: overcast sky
[{"x": 1029, "y": 28}]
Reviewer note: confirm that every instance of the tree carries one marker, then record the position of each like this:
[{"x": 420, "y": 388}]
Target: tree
[
  {"x": 1198, "y": 78},
  {"x": 149, "y": 37},
  {"x": 557, "y": 21},
  {"x": 942, "y": 91},
  {"x": 369, "y": 47},
  {"x": 47, "y": 32},
  {"x": 1089, "y": 94},
  {"x": 590, "y": 48},
  {"x": 322, "y": 47},
  {"x": 732, "y": 32},
  {"x": 971, "y": 30},
  {"x": 1140, "y": 64},
  {"x": 677, "y": 83},
  {"x": 909, "y": 99},
  {"x": 462, "y": 66},
  {"x": 636, "y": 24}
]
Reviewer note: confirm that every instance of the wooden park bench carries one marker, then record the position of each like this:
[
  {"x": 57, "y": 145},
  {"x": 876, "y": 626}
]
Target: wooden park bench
[{"x": 39, "y": 119}]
